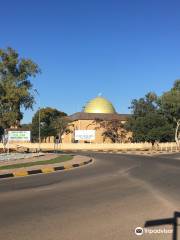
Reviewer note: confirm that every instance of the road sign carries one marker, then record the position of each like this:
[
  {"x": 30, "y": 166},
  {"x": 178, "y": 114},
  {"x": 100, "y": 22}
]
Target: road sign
[{"x": 19, "y": 136}]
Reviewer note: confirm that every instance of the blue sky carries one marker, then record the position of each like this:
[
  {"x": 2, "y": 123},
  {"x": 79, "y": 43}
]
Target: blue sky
[{"x": 122, "y": 49}]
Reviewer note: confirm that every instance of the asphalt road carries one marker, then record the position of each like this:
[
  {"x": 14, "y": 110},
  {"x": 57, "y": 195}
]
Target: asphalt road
[{"x": 106, "y": 200}]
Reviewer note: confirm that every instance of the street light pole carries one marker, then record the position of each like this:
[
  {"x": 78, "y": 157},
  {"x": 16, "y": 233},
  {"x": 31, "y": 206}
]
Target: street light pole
[
  {"x": 39, "y": 120},
  {"x": 39, "y": 129}
]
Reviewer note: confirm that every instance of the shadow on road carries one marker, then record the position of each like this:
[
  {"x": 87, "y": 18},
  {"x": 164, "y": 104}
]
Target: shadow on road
[{"x": 166, "y": 221}]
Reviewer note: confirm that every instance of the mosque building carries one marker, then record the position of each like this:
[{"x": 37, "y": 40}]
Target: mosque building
[{"x": 85, "y": 127}]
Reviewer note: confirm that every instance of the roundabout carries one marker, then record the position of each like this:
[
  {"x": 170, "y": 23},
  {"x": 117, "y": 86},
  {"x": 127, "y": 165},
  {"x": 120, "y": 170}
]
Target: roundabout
[{"x": 106, "y": 200}]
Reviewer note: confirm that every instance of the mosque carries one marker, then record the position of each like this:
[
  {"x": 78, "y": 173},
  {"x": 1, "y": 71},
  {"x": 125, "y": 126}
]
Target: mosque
[{"x": 85, "y": 126}]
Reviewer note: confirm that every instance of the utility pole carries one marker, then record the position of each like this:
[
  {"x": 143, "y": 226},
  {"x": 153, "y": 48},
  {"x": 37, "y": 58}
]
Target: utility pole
[
  {"x": 39, "y": 121},
  {"x": 39, "y": 129}
]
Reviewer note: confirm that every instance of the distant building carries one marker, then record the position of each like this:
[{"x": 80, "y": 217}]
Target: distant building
[{"x": 97, "y": 109}]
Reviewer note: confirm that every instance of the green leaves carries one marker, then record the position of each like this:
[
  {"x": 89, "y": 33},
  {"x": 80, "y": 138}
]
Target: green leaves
[
  {"x": 47, "y": 117},
  {"x": 144, "y": 105},
  {"x": 170, "y": 107},
  {"x": 15, "y": 86},
  {"x": 170, "y": 102},
  {"x": 147, "y": 122}
]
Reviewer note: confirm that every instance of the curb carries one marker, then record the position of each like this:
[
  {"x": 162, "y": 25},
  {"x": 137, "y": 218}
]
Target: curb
[{"x": 24, "y": 173}]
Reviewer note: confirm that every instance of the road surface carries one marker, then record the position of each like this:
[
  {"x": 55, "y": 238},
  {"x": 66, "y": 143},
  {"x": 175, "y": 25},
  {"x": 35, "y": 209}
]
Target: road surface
[{"x": 105, "y": 200}]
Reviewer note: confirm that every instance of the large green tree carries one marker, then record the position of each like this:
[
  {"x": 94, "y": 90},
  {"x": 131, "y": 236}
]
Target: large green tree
[
  {"x": 170, "y": 107},
  {"x": 15, "y": 86},
  {"x": 147, "y": 123},
  {"x": 45, "y": 117}
]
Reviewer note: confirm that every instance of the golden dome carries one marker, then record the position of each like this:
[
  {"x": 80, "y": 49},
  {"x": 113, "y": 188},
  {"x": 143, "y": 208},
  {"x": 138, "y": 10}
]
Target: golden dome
[{"x": 99, "y": 105}]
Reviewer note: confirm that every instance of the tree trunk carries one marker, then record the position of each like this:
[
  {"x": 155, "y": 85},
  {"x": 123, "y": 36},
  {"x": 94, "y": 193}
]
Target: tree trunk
[
  {"x": 177, "y": 134},
  {"x": 152, "y": 142},
  {"x": 60, "y": 137}
]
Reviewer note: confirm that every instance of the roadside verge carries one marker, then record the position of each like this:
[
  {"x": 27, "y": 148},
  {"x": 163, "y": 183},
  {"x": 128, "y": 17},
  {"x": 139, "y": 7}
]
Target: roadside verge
[{"x": 49, "y": 168}]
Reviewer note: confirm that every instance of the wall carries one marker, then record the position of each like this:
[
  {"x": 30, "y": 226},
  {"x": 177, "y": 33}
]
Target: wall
[
  {"x": 94, "y": 146},
  {"x": 88, "y": 125}
]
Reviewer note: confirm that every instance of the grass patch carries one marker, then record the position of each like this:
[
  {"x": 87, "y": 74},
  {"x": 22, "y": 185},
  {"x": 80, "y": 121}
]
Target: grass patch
[{"x": 59, "y": 159}]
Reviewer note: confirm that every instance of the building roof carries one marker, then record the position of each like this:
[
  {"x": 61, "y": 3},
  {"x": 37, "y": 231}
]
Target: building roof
[
  {"x": 99, "y": 105},
  {"x": 101, "y": 116}
]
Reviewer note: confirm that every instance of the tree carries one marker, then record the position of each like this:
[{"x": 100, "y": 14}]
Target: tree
[
  {"x": 142, "y": 106},
  {"x": 26, "y": 126},
  {"x": 15, "y": 86},
  {"x": 61, "y": 125},
  {"x": 114, "y": 130},
  {"x": 170, "y": 107},
  {"x": 47, "y": 116},
  {"x": 147, "y": 123},
  {"x": 150, "y": 128},
  {"x": 1, "y": 133}
]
